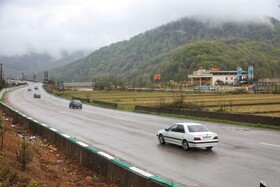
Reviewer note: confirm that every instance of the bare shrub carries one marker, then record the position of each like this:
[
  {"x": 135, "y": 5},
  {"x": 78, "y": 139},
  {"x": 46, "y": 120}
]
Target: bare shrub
[
  {"x": 8, "y": 177},
  {"x": 2, "y": 130},
  {"x": 180, "y": 101},
  {"x": 24, "y": 154},
  {"x": 225, "y": 106}
]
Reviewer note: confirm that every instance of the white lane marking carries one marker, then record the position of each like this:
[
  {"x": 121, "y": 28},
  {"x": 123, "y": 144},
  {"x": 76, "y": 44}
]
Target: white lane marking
[
  {"x": 83, "y": 144},
  {"x": 273, "y": 145},
  {"x": 141, "y": 171},
  {"x": 106, "y": 155},
  {"x": 53, "y": 129},
  {"x": 66, "y": 136}
]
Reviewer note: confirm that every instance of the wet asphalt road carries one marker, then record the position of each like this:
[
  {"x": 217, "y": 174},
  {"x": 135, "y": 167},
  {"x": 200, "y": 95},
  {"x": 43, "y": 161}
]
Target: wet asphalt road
[{"x": 244, "y": 156}]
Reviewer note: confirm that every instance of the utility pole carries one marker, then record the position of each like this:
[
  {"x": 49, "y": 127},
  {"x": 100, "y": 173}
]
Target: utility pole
[
  {"x": 1, "y": 77},
  {"x": 46, "y": 78},
  {"x": 34, "y": 76},
  {"x": 1, "y": 73}
]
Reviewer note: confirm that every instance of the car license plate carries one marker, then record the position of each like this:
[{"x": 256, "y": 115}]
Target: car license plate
[{"x": 206, "y": 137}]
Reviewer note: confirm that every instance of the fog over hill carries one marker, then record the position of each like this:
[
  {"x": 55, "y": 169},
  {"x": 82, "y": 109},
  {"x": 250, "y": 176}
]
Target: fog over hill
[
  {"x": 30, "y": 26},
  {"x": 35, "y": 63}
]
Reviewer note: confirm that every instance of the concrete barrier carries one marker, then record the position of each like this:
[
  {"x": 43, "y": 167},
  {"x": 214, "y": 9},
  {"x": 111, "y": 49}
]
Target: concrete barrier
[
  {"x": 81, "y": 99},
  {"x": 113, "y": 169},
  {"x": 265, "y": 120},
  {"x": 102, "y": 103},
  {"x": 107, "y": 104}
]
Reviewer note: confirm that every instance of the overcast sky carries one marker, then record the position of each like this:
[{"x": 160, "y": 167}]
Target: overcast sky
[{"x": 53, "y": 25}]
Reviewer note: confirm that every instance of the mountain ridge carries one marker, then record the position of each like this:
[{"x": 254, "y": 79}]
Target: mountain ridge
[
  {"x": 121, "y": 59},
  {"x": 34, "y": 63}
]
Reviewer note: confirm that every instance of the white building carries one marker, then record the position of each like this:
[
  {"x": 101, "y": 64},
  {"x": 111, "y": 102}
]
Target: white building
[{"x": 215, "y": 76}]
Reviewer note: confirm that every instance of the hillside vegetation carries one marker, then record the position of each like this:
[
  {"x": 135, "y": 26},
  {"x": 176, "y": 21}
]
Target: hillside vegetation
[
  {"x": 226, "y": 54},
  {"x": 180, "y": 47}
]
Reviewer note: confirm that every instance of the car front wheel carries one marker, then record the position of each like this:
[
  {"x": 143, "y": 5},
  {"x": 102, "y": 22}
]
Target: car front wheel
[
  {"x": 185, "y": 145},
  {"x": 161, "y": 139}
]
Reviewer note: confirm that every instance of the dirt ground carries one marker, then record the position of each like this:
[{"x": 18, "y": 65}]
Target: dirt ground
[{"x": 48, "y": 168}]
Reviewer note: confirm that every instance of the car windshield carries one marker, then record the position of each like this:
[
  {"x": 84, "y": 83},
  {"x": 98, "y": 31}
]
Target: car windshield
[
  {"x": 173, "y": 127},
  {"x": 76, "y": 101},
  {"x": 197, "y": 128}
]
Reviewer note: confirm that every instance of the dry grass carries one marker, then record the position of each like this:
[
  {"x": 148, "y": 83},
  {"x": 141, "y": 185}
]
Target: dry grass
[
  {"x": 127, "y": 100},
  {"x": 49, "y": 167}
]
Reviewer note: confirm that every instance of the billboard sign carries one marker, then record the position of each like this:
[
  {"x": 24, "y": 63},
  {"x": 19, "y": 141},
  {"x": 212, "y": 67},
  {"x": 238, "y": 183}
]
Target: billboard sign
[{"x": 156, "y": 76}]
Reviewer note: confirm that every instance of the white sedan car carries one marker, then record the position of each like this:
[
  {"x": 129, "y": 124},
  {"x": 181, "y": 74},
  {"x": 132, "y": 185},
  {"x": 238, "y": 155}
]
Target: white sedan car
[{"x": 188, "y": 135}]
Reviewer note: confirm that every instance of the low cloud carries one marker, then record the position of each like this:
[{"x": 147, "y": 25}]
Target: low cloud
[{"x": 51, "y": 26}]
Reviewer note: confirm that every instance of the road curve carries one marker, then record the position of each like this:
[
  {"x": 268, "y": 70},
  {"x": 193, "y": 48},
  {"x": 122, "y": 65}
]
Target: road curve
[{"x": 244, "y": 156}]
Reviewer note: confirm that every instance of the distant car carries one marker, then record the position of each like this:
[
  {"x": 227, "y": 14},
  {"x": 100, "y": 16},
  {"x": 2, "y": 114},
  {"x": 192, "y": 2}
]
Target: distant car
[
  {"x": 36, "y": 88},
  {"x": 76, "y": 104},
  {"x": 37, "y": 95},
  {"x": 29, "y": 89},
  {"x": 188, "y": 135}
]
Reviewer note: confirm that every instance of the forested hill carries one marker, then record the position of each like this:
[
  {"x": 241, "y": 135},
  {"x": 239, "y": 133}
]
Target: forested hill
[
  {"x": 225, "y": 53},
  {"x": 127, "y": 59}
]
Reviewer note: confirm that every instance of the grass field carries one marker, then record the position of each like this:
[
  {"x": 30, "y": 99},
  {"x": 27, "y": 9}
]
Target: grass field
[{"x": 260, "y": 104}]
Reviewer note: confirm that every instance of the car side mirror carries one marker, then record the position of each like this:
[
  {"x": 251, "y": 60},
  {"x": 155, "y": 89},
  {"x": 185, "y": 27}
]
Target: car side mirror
[{"x": 166, "y": 129}]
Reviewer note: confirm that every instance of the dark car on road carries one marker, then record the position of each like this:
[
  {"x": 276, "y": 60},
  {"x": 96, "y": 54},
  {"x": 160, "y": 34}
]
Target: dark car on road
[
  {"x": 37, "y": 95},
  {"x": 29, "y": 89},
  {"x": 36, "y": 88},
  {"x": 76, "y": 104}
]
